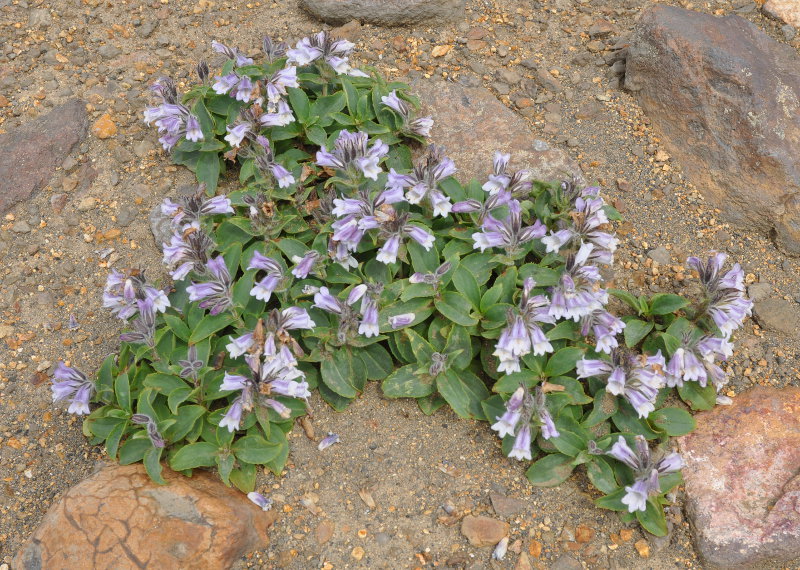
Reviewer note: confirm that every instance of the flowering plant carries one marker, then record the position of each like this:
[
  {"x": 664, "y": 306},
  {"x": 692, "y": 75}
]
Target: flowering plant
[{"x": 342, "y": 260}]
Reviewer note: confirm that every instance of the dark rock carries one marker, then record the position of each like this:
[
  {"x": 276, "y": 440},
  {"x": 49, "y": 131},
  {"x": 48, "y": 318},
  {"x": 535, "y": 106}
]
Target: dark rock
[
  {"x": 119, "y": 518},
  {"x": 108, "y": 51},
  {"x": 777, "y": 314},
  {"x": 160, "y": 226},
  {"x": 506, "y": 506},
  {"x": 471, "y": 124},
  {"x": 660, "y": 255},
  {"x": 759, "y": 291},
  {"x": 742, "y": 482},
  {"x": 385, "y": 12},
  {"x": 726, "y": 98},
  {"x": 566, "y": 562},
  {"x": 29, "y": 154}
]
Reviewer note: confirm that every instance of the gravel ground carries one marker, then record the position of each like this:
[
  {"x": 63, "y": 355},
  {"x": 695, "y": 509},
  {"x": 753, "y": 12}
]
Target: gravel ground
[{"x": 550, "y": 61}]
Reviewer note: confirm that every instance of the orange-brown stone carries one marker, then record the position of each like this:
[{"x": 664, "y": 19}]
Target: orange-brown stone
[
  {"x": 118, "y": 518},
  {"x": 742, "y": 482},
  {"x": 104, "y": 127}
]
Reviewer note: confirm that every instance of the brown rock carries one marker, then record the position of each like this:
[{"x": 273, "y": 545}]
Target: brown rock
[
  {"x": 742, "y": 482},
  {"x": 726, "y": 99},
  {"x": 787, "y": 11},
  {"x": 777, "y": 314},
  {"x": 349, "y": 31},
  {"x": 29, "y": 154},
  {"x": 506, "y": 506},
  {"x": 523, "y": 563},
  {"x": 385, "y": 12},
  {"x": 584, "y": 534},
  {"x": 483, "y": 531},
  {"x": 104, "y": 127},
  {"x": 324, "y": 532},
  {"x": 535, "y": 548},
  {"x": 642, "y": 548},
  {"x": 471, "y": 124},
  {"x": 118, "y": 518}
]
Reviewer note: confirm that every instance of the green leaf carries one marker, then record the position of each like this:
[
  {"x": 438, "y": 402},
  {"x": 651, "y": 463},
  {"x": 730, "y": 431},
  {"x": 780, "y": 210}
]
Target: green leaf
[
  {"x": 133, "y": 450},
  {"x": 672, "y": 421},
  {"x": 210, "y": 324},
  {"x": 334, "y": 400},
  {"x": 430, "y": 404},
  {"x": 455, "y": 307},
  {"x": 564, "y": 330},
  {"x": 603, "y": 407},
  {"x": 152, "y": 464},
  {"x": 377, "y": 361},
  {"x": 459, "y": 342},
  {"x": 652, "y": 519},
  {"x": 404, "y": 383},
  {"x": 207, "y": 170},
  {"x": 176, "y": 324},
  {"x": 635, "y": 331},
  {"x": 122, "y": 390},
  {"x": 338, "y": 374},
  {"x": 665, "y": 303},
  {"x": 627, "y": 420},
  {"x": 300, "y": 104},
  {"x": 627, "y": 298},
  {"x": 613, "y": 501},
  {"x": 164, "y": 383},
  {"x": 466, "y": 284},
  {"x": 563, "y": 361},
  {"x": 573, "y": 388},
  {"x": 421, "y": 349},
  {"x": 177, "y": 397},
  {"x": 568, "y": 442},
  {"x": 186, "y": 418},
  {"x": 112, "y": 441},
  {"x": 278, "y": 438},
  {"x": 423, "y": 260},
  {"x": 201, "y": 454},
  {"x": 244, "y": 478},
  {"x": 601, "y": 475},
  {"x": 225, "y": 463},
  {"x": 463, "y": 391},
  {"x": 697, "y": 397},
  {"x": 317, "y": 135},
  {"x": 105, "y": 380},
  {"x": 255, "y": 449},
  {"x": 508, "y": 383},
  {"x": 550, "y": 471}
]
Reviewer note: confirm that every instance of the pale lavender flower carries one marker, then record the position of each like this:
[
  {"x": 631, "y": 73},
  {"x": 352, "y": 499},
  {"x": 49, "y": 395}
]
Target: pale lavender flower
[
  {"x": 123, "y": 292},
  {"x": 172, "y": 118},
  {"x": 400, "y": 321},
  {"x": 240, "y": 345},
  {"x": 70, "y": 384},
  {"x": 394, "y": 231},
  {"x": 423, "y": 182},
  {"x": 605, "y": 328},
  {"x": 523, "y": 334},
  {"x": 214, "y": 294},
  {"x": 273, "y": 50},
  {"x": 237, "y": 133},
  {"x": 472, "y": 206},
  {"x": 332, "y": 51},
  {"x": 263, "y": 289},
  {"x": 280, "y": 408},
  {"x": 266, "y": 164},
  {"x": 187, "y": 209},
  {"x": 415, "y": 126},
  {"x": 144, "y": 326},
  {"x": 578, "y": 293},
  {"x": 521, "y": 449},
  {"x": 646, "y": 469},
  {"x": 304, "y": 264},
  {"x": 516, "y": 184},
  {"x": 724, "y": 302},
  {"x": 584, "y": 227},
  {"x": 508, "y": 234},
  {"x": 277, "y": 83},
  {"x": 340, "y": 253},
  {"x": 280, "y": 116},
  {"x": 328, "y": 441},
  {"x": 369, "y": 321},
  {"x": 231, "y": 53},
  {"x": 260, "y": 500},
  {"x": 694, "y": 361},
  {"x": 187, "y": 251},
  {"x": 507, "y": 423},
  {"x": 348, "y": 316},
  {"x": 152, "y": 428},
  {"x": 352, "y": 154},
  {"x": 193, "y": 131},
  {"x": 233, "y": 417},
  {"x": 637, "y": 378}
]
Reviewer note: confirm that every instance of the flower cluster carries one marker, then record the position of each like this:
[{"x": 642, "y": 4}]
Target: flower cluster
[
  {"x": 521, "y": 409},
  {"x": 323, "y": 46},
  {"x": 419, "y": 126},
  {"x": 72, "y": 385},
  {"x": 725, "y": 302},
  {"x": 645, "y": 467},
  {"x": 171, "y": 117}
]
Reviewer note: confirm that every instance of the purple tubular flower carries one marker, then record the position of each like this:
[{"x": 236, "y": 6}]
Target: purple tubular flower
[
  {"x": 225, "y": 83},
  {"x": 70, "y": 384},
  {"x": 725, "y": 302},
  {"x": 509, "y": 233},
  {"x": 305, "y": 264},
  {"x": 327, "y": 302},
  {"x": 369, "y": 322},
  {"x": 263, "y": 289},
  {"x": 420, "y": 235},
  {"x": 281, "y": 409},
  {"x": 280, "y": 116},
  {"x": 694, "y": 361},
  {"x": 152, "y": 429},
  {"x": 193, "y": 131},
  {"x": 260, "y": 500},
  {"x": 605, "y": 328},
  {"x": 233, "y": 417},
  {"x": 522, "y": 444},
  {"x": 577, "y": 294},
  {"x": 388, "y": 252},
  {"x": 328, "y": 441},
  {"x": 352, "y": 154},
  {"x": 276, "y": 85},
  {"x": 237, "y": 133},
  {"x": 290, "y": 388},
  {"x": 507, "y": 423},
  {"x": 231, "y": 53},
  {"x": 423, "y": 182},
  {"x": 420, "y": 127},
  {"x": 636, "y": 495},
  {"x": 215, "y": 294},
  {"x": 637, "y": 380},
  {"x": 240, "y": 345},
  {"x": 400, "y": 321}
]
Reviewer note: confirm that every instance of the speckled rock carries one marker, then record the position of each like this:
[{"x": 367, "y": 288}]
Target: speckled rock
[
  {"x": 742, "y": 479},
  {"x": 471, "y": 124},
  {"x": 30, "y": 154},
  {"x": 726, "y": 99},
  {"x": 787, "y": 11},
  {"x": 385, "y": 12},
  {"x": 483, "y": 531},
  {"x": 118, "y": 518}
]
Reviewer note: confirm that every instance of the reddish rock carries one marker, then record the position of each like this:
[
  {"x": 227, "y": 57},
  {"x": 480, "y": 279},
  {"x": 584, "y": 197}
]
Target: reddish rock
[
  {"x": 726, "y": 100},
  {"x": 506, "y": 506},
  {"x": 787, "y": 11},
  {"x": 742, "y": 482},
  {"x": 385, "y": 12},
  {"x": 483, "y": 531},
  {"x": 471, "y": 124},
  {"x": 118, "y": 518},
  {"x": 30, "y": 154}
]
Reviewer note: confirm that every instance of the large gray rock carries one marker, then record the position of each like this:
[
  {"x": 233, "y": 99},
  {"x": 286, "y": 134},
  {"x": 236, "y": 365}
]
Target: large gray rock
[
  {"x": 30, "y": 154},
  {"x": 742, "y": 479},
  {"x": 471, "y": 124},
  {"x": 385, "y": 12},
  {"x": 726, "y": 98}
]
